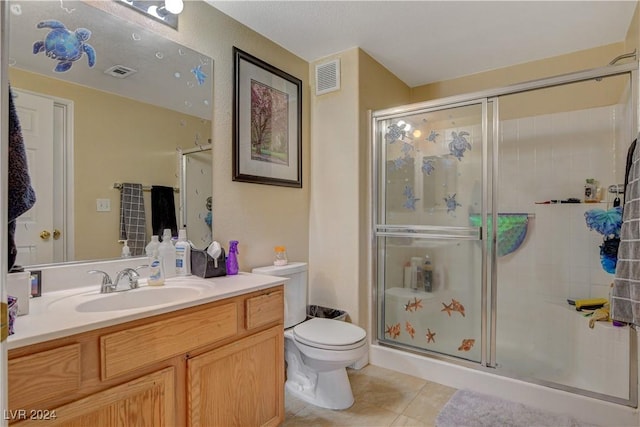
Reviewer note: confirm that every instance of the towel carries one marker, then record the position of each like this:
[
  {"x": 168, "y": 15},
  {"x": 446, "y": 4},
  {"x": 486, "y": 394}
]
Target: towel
[
  {"x": 163, "y": 210},
  {"x": 625, "y": 295},
  {"x": 132, "y": 218},
  {"x": 21, "y": 195}
]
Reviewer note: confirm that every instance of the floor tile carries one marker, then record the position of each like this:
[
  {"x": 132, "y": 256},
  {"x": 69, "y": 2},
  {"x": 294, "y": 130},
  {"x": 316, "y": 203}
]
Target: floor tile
[{"x": 428, "y": 403}]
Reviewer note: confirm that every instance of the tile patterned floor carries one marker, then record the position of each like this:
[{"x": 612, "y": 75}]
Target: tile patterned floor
[{"x": 382, "y": 398}]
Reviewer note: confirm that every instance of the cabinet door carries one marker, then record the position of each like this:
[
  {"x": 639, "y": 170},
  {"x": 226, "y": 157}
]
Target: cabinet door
[
  {"x": 146, "y": 401},
  {"x": 240, "y": 384}
]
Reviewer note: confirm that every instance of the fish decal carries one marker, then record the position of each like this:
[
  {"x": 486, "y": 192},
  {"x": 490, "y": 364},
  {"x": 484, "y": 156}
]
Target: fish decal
[
  {"x": 467, "y": 344},
  {"x": 459, "y": 144},
  {"x": 430, "y": 336},
  {"x": 413, "y": 306},
  {"x": 410, "y": 330},
  {"x": 393, "y": 331}
]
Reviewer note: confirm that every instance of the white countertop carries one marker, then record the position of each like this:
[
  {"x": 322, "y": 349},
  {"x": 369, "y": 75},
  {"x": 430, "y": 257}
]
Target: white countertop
[{"x": 53, "y": 315}]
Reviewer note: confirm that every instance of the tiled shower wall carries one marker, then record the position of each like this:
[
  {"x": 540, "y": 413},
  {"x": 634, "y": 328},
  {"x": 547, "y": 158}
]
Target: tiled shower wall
[
  {"x": 542, "y": 158},
  {"x": 549, "y": 157}
]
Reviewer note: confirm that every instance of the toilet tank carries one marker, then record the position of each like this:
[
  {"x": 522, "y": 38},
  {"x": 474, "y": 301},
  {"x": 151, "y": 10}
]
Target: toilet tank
[{"x": 295, "y": 290}]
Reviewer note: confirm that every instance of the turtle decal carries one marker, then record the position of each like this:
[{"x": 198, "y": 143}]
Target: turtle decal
[
  {"x": 459, "y": 145},
  {"x": 64, "y": 46}
]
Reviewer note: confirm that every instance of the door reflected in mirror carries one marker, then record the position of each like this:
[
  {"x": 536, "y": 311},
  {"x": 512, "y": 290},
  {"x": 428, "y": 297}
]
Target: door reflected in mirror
[
  {"x": 103, "y": 129},
  {"x": 195, "y": 195}
]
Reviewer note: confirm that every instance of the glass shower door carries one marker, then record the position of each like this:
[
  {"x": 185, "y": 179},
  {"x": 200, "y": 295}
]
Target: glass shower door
[{"x": 430, "y": 174}]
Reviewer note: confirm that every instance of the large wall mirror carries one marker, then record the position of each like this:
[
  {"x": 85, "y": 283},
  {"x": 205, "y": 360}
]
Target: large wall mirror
[{"x": 124, "y": 109}]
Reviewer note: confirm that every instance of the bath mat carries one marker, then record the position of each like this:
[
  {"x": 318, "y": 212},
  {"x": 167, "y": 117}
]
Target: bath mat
[{"x": 470, "y": 409}]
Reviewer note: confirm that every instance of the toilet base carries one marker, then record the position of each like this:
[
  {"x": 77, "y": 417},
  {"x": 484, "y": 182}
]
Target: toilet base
[{"x": 330, "y": 389}]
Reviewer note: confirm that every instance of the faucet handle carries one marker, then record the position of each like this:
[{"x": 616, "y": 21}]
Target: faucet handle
[
  {"x": 106, "y": 280},
  {"x": 107, "y": 285}
]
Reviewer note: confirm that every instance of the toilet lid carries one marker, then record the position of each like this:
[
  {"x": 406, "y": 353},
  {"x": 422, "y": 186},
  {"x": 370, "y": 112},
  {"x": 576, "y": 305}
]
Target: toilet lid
[{"x": 329, "y": 334}]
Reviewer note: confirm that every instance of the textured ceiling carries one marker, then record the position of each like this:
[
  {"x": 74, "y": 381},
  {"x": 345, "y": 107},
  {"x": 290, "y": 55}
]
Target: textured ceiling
[{"x": 426, "y": 41}]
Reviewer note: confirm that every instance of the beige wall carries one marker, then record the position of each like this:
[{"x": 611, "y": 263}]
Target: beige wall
[
  {"x": 576, "y": 61},
  {"x": 340, "y": 202},
  {"x": 116, "y": 139},
  {"x": 259, "y": 216}
]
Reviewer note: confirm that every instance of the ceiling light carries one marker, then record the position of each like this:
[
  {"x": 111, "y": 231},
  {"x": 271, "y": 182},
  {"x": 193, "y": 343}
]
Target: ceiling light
[{"x": 174, "y": 6}]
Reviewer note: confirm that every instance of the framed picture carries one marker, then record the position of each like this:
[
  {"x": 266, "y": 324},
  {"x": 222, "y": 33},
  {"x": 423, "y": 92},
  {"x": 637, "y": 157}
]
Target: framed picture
[{"x": 267, "y": 121}]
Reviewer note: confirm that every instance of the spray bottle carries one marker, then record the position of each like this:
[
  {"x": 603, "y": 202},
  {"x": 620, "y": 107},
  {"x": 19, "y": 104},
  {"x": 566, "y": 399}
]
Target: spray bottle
[{"x": 232, "y": 258}]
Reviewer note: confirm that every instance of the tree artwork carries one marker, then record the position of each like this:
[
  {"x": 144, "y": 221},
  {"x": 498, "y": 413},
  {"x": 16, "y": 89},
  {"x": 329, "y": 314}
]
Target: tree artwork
[{"x": 269, "y": 124}]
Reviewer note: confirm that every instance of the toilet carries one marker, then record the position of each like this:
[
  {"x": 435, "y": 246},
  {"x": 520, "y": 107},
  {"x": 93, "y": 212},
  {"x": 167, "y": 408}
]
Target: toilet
[{"x": 317, "y": 350}]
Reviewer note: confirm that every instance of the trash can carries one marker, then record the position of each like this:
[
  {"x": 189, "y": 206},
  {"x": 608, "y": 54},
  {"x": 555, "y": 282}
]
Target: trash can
[{"x": 326, "y": 313}]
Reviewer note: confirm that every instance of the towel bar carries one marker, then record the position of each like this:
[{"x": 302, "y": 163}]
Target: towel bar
[{"x": 118, "y": 186}]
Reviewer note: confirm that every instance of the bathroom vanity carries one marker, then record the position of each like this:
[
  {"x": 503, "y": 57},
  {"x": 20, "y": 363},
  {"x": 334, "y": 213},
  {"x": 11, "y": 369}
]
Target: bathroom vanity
[{"x": 214, "y": 358}]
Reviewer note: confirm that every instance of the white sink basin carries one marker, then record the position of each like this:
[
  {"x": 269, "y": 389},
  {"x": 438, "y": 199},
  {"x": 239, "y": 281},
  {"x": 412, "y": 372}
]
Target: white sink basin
[{"x": 143, "y": 297}]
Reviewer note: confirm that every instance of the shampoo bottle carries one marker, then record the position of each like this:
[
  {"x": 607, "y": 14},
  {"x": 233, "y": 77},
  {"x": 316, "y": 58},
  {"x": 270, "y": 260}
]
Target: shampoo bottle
[
  {"x": 232, "y": 258},
  {"x": 156, "y": 273},
  {"x": 167, "y": 253},
  {"x": 183, "y": 254}
]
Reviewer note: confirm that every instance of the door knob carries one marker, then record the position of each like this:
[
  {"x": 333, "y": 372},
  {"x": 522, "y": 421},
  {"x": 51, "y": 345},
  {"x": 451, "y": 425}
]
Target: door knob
[
  {"x": 56, "y": 234},
  {"x": 45, "y": 235}
]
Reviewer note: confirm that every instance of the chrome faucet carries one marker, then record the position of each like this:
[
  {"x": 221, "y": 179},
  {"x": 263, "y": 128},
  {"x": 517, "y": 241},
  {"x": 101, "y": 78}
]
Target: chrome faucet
[
  {"x": 132, "y": 276},
  {"x": 108, "y": 286}
]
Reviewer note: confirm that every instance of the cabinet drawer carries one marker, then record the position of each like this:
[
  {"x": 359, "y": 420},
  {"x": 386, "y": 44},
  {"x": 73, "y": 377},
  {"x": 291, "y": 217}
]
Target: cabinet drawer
[
  {"x": 133, "y": 348},
  {"x": 264, "y": 309},
  {"x": 44, "y": 375}
]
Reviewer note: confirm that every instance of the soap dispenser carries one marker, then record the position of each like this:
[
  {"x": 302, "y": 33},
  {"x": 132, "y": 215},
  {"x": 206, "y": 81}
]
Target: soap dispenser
[
  {"x": 232, "y": 258},
  {"x": 126, "y": 252}
]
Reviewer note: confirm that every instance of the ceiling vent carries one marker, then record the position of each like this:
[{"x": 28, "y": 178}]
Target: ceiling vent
[
  {"x": 328, "y": 77},
  {"x": 120, "y": 71}
]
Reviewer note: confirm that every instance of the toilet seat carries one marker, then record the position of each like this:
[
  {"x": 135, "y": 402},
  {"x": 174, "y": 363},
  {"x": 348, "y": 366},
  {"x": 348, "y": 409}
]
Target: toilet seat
[{"x": 329, "y": 334}]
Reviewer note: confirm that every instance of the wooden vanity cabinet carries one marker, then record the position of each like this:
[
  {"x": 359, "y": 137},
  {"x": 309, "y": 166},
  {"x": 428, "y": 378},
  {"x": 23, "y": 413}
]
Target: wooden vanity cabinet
[{"x": 218, "y": 364}]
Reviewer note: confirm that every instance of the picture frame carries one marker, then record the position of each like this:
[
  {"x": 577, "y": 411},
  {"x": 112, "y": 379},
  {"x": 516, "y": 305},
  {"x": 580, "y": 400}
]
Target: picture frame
[
  {"x": 267, "y": 123},
  {"x": 36, "y": 283}
]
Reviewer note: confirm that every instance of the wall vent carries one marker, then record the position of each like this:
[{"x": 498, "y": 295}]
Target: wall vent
[
  {"x": 120, "y": 71},
  {"x": 328, "y": 77}
]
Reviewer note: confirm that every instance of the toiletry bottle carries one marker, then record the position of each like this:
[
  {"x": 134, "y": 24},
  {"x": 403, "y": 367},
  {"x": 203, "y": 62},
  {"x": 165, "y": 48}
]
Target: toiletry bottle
[
  {"x": 590, "y": 190},
  {"x": 183, "y": 254},
  {"x": 232, "y": 258},
  {"x": 126, "y": 252},
  {"x": 416, "y": 272},
  {"x": 427, "y": 274},
  {"x": 168, "y": 254},
  {"x": 280, "y": 256},
  {"x": 153, "y": 244},
  {"x": 156, "y": 270}
]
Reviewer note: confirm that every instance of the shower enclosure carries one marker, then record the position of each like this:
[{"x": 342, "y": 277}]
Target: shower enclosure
[{"x": 485, "y": 187}]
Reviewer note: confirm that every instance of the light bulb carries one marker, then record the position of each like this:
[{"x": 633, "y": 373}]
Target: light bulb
[{"x": 174, "y": 6}]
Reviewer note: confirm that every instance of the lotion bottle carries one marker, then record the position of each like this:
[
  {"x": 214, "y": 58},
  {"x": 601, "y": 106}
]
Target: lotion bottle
[
  {"x": 232, "y": 258},
  {"x": 153, "y": 245},
  {"x": 183, "y": 254},
  {"x": 156, "y": 275}
]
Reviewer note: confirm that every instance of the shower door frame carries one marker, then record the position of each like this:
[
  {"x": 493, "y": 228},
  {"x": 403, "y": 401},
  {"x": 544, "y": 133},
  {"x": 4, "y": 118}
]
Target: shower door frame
[{"x": 489, "y": 272}]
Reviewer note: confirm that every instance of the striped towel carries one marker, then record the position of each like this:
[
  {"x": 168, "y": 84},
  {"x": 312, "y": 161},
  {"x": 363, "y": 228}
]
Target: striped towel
[
  {"x": 132, "y": 219},
  {"x": 625, "y": 296}
]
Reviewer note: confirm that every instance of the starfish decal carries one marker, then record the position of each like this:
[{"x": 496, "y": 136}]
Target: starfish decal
[
  {"x": 408, "y": 306},
  {"x": 430, "y": 336},
  {"x": 417, "y": 303},
  {"x": 448, "y": 308},
  {"x": 409, "y": 328}
]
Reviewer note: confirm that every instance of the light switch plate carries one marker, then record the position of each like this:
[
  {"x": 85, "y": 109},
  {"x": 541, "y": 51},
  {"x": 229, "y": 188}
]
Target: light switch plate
[{"x": 103, "y": 205}]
